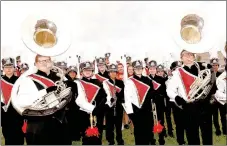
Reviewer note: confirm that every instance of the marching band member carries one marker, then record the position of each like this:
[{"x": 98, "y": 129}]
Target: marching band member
[
  {"x": 196, "y": 114},
  {"x": 72, "y": 73},
  {"x": 216, "y": 105},
  {"x": 91, "y": 100},
  {"x": 130, "y": 71},
  {"x": 51, "y": 129},
  {"x": 177, "y": 112},
  {"x": 115, "y": 93},
  {"x": 18, "y": 60},
  {"x": 159, "y": 86},
  {"x": 74, "y": 108},
  {"x": 161, "y": 73},
  {"x": 12, "y": 122},
  {"x": 138, "y": 94},
  {"x": 102, "y": 73},
  {"x": 120, "y": 71},
  {"x": 24, "y": 67},
  {"x": 220, "y": 96}
]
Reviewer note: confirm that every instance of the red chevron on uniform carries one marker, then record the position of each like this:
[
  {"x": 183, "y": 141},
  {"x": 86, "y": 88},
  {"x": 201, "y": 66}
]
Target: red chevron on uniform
[
  {"x": 142, "y": 89},
  {"x": 100, "y": 78},
  {"x": 156, "y": 85},
  {"x": 187, "y": 79},
  {"x": 6, "y": 90},
  {"x": 47, "y": 82},
  {"x": 91, "y": 90}
]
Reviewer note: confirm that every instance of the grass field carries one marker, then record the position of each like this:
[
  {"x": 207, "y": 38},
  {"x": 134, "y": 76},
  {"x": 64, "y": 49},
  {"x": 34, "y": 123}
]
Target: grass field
[{"x": 129, "y": 139}]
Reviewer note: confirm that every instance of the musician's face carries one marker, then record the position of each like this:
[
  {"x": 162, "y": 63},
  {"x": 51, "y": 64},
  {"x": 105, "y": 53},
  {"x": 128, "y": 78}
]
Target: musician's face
[
  {"x": 120, "y": 68},
  {"x": 152, "y": 70},
  {"x": 138, "y": 71},
  {"x": 8, "y": 70},
  {"x": 72, "y": 74},
  {"x": 160, "y": 73},
  {"x": 44, "y": 63},
  {"x": 87, "y": 73},
  {"x": 113, "y": 74},
  {"x": 130, "y": 70},
  {"x": 18, "y": 62},
  {"x": 215, "y": 67},
  {"x": 187, "y": 57},
  {"x": 101, "y": 67}
]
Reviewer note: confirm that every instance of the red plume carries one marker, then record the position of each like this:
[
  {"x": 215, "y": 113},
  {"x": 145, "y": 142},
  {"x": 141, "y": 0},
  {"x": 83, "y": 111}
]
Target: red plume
[
  {"x": 158, "y": 128},
  {"x": 24, "y": 128},
  {"x": 92, "y": 131}
]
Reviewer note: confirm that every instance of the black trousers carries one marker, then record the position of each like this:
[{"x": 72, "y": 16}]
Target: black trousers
[
  {"x": 178, "y": 115},
  {"x": 143, "y": 127},
  {"x": 114, "y": 121},
  {"x": 48, "y": 132},
  {"x": 217, "y": 107},
  {"x": 168, "y": 112},
  {"x": 11, "y": 124},
  {"x": 160, "y": 108},
  {"x": 85, "y": 120},
  {"x": 13, "y": 135},
  {"x": 198, "y": 116}
]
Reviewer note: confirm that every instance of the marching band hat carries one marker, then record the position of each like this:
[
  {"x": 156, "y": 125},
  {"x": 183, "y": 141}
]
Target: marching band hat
[
  {"x": 61, "y": 64},
  {"x": 8, "y": 62},
  {"x": 72, "y": 68},
  {"x": 107, "y": 55},
  {"x": 100, "y": 61},
  {"x": 87, "y": 65},
  {"x": 137, "y": 64},
  {"x": 152, "y": 63},
  {"x": 128, "y": 59},
  {"x": 24, "y": 66},
  {"x": 214, "y": 61},
  {"x": 112, "y": 68},
  {"x": 160, "y": 67},
  {"x": 175, "y": 64},
  {"x": 18, "y": 58}
]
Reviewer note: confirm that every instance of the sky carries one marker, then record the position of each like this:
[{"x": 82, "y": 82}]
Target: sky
[{"x": 116, "y": 27}]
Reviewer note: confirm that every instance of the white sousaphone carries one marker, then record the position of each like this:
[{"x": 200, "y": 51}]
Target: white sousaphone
[
  {"x": 193, "y": 31},
  {"x": 46, "y": 35}
]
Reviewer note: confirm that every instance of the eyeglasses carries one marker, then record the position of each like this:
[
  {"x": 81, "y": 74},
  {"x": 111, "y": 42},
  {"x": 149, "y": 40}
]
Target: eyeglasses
[{"x": 44, "y": 61}]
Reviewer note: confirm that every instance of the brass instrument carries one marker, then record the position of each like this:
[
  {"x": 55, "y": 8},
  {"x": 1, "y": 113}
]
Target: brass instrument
[
  {"x": 194, "y": 38},
  {"x": 45, "y": 38}
]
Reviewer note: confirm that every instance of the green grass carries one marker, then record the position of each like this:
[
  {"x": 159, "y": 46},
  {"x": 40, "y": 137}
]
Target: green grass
[{"x": 129, "y": 139}]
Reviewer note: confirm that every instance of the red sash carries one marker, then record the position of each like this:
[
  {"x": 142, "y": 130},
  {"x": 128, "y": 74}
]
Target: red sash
[
  {"x": 142, "y": 89},
  {"x": 90, "y": 89},
  {"x": 100, "y": 78},
  {"x": 111, "y": 87},
  {"x": 156, "y": 85},
  {"x": 187, "y": 79},
  {"x": 6, "y": 90},
  {"x": 45, "y": 82}
]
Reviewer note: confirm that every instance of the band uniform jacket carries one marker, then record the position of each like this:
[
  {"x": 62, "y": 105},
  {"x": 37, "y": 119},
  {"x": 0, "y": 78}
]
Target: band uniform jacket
[
  {"x": 160, "y": 89},
  {"x": 138, "y": 94},
  {"x": 220, "y": 94},
  {"x": 51, "y": 129},
  {"x": 10, "y": 119},
  {"x": 179, "y": 83},
  {"x": 102, "y": 77},
  {"x": 108, "y": 86}
]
